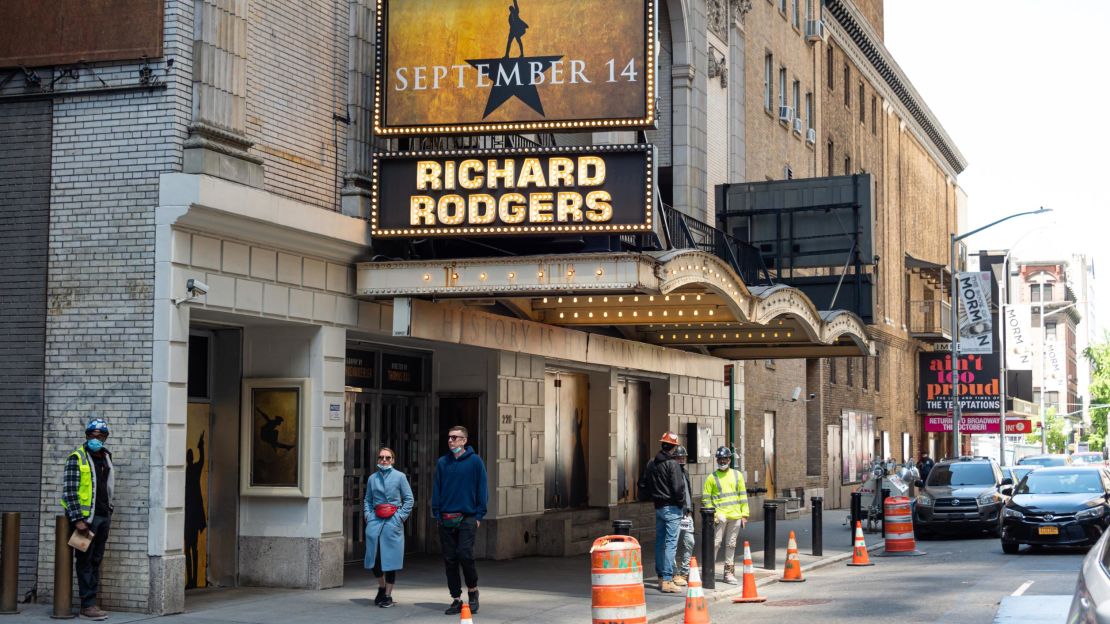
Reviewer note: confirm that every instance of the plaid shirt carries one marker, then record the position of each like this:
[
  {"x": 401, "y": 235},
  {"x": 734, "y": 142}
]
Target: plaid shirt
[{"x": 71, "y": 482}]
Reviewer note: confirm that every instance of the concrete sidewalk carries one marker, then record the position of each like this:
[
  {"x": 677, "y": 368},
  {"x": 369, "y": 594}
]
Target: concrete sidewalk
[{"x": 533, "y": 589}]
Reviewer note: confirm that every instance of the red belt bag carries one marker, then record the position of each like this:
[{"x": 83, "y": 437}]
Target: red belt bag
[{"x": 385, "y": 510}]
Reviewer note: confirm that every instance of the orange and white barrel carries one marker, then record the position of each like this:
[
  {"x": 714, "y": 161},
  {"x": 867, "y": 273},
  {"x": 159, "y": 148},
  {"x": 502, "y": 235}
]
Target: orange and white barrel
[
  {"x": 898, "y": 526},
  {"x": 617, "y": 573}
]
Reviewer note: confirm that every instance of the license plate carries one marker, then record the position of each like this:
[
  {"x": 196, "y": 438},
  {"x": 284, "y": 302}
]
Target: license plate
[{"x": 1049, "y": 530}]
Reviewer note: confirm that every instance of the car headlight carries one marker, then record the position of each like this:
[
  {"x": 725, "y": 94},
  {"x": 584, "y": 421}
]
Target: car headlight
[
  {"x": 988, "y": 498},
  {"x": 1012, "y": 513},
  {"x": 1093, "y": 512},
  {"x": 924, "y": 500}
]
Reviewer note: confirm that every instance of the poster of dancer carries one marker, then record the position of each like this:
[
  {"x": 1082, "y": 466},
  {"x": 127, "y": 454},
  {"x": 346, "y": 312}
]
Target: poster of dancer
[{"x": 275, "y": 416}]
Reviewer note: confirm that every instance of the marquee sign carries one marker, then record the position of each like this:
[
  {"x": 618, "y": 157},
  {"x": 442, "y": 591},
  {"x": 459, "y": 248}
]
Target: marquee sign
[
  {"x": 539, "y": 191},
  {"x": 487, "y": 66},
  {"x": 979, "y": 387}
]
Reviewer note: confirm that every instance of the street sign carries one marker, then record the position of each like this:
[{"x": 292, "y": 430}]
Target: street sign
[{"x": 1016, "y": 427}]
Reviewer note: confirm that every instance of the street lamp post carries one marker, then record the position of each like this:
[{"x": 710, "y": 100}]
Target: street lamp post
[{"x": 954, "y": 295}]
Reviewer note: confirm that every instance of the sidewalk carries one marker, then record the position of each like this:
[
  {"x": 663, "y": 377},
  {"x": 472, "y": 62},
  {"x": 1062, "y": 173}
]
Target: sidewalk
[{"x": 535, "y": 590}]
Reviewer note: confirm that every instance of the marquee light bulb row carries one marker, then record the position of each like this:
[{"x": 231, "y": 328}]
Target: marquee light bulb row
[
  {"x": 722, "y": 336},
  {"x": 620, "y": 314},
  {"x": 512, "y": 275},
  {"x": 621, "y": 298}
]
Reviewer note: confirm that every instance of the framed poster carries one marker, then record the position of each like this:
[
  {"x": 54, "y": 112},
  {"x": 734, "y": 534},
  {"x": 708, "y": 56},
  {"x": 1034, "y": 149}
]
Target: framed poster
[{"x": 275, "y": 437}]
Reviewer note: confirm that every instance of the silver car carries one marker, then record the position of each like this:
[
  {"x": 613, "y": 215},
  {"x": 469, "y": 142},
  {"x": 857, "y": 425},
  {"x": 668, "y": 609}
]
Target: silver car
[{"x": 1091, "y": 604}]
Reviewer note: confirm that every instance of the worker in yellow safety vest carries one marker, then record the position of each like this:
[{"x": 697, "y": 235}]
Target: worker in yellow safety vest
[
  {"x": 88, "y": 484},
  {"x": 726, "y": 492}
]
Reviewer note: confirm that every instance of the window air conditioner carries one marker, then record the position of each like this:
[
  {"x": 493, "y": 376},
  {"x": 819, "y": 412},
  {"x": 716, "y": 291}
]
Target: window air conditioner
[
  {"x": 786, "y": 113},
  {"x": 811, "y": 136},
  {"x": 815, "y": 30},
  {"x": 797, "y": 125}
]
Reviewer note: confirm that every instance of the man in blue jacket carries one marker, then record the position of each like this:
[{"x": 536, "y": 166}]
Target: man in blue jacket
[{"x": 459, "y": 496}]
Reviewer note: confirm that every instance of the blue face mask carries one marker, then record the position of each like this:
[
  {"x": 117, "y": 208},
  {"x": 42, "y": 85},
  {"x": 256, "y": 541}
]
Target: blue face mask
[
  {"x": 95, "y": 445},
  {"x": 385, "y": 467}
]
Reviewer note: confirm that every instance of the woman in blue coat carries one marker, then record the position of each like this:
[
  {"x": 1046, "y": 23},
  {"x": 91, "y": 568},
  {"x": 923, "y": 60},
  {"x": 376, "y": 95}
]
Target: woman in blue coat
[{"x": 387, "y": 505}]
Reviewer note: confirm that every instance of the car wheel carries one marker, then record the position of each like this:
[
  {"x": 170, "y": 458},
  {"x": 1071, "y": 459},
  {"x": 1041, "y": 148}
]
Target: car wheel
[{"x": 1010, "y": 548}]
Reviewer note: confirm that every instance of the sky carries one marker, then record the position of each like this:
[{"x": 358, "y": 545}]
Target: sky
[{"x": 1022, "y": 88}]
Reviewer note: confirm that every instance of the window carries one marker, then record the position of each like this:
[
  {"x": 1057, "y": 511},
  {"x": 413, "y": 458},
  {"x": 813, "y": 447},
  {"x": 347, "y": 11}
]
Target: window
[
  {"x": 809, "y": 9},
  {"x": 878, "y": 374},
  {"x": 847, "y": 165},
  {"x": 782, "y": 86},
  {"x": 1036, "y": 395},
  {"x": 907, "y": 447},
  {"x": 829, "y": 78},
  {"x": 862, "y": 110},
  {"x": 796, "y": 101},
  {"x": 850, "y": 365},
  {"x": 1035, "y": 292},
  {"x": 874, "y": 115},
  {"x": 829, "y": 158},
  {"x": 782, "y": 7},
  {"x": 1050, "y": 330},
  {"x": 847, "y": 81},
  {"x": 832, "y": 370},
  {"x": 863, "y": 376},
  {"x": 809, "y": 111},
  {"x": 797, "y": 16},
  {"x": 1051, "y": 398},
  {"x": 768, "y": 77}
]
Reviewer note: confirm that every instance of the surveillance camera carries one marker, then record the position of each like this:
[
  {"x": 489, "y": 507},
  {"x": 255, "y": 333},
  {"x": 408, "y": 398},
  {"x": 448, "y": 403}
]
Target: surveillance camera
[
  {"x": 196, "y": 287},
  {"x": 812, "y": 395},
  {"x": 797, "y": 393}
]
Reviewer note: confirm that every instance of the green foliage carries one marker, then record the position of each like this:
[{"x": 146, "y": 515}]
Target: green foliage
[
  {"x": 1099, "y": 390},
  {"x": 1054, "y": 438}
]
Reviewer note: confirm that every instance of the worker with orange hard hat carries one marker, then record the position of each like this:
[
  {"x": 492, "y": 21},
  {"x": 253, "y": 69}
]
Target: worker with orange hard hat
[{"x": 664, "y": 484}]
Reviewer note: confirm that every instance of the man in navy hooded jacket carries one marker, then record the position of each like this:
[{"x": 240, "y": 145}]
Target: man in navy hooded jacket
[{"x": 459, "y": 496}]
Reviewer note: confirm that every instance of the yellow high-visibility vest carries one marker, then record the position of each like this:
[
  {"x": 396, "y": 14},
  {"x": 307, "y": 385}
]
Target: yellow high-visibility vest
[
  {"x": 728, "y": 496},
  {"x": 86, "y": 492}
]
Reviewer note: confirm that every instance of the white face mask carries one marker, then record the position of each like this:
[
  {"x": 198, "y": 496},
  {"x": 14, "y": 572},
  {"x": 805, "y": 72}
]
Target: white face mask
[{"x": 723, "y": 466}]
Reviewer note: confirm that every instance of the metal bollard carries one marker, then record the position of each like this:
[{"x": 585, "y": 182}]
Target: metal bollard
[
  {"x": 882, "y": 509},
  {"x": 818, "y": 527},
  {"x": 708, "y": 549},
  {"x": 63, "y": 570},
  {"x": 9, "y": 567},
  {"x": 622, "y": 527},
  {"x": 770, "y": 518},
  {"x": 857, "y": 516}
]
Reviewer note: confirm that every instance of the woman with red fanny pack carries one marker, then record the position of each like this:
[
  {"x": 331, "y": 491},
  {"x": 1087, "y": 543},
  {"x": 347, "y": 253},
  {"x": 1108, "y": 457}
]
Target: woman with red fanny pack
[{"x": 387, "y": 505}]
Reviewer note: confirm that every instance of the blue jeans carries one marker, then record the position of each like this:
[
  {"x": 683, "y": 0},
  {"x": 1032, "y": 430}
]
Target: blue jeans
[{"x": 666, "y": 540}]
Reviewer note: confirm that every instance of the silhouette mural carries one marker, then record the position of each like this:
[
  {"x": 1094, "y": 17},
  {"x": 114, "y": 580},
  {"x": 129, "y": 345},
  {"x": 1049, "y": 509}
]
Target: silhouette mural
[
  {"x": 196, "y": 498},
  {"x": 276, "y": 444}
]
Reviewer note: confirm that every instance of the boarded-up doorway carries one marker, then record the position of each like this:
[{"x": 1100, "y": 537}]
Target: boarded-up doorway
[
  {"x": 566, "y": 436},
  {"x": 633, "y": 435}
]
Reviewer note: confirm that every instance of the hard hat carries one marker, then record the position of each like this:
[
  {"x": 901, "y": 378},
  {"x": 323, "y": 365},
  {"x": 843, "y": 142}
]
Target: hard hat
[
  {"x": 97, "y": 424},
  {"x": 723, "y": 452},
  {"x": 669, "y": 438},
  {"x": 681, "y": 452}
]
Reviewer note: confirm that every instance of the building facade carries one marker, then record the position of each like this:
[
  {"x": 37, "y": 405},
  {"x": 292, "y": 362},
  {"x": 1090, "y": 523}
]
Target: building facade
[{"x": 190, "y": 248}]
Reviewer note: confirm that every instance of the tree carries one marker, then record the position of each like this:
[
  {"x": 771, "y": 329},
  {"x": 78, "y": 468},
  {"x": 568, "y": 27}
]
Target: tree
[
  {"x": 1099, "y": 390},
  {"x": 1055, "y": 441}
]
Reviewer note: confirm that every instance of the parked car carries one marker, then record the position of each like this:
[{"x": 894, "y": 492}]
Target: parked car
[
  {"x": 1091, "y": 602},
  {"x": 961, "y": 495},
  {"x": 1087, "y": 458},
  {"x": 1055, "y": 459},
  {"x": 1017, "y": 473},
  {"x": 1057, "y": 506}
]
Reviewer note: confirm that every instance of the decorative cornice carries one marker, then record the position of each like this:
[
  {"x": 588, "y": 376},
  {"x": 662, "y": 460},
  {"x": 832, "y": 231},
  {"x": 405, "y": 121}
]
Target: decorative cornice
[{"x": 883, "y": 62}]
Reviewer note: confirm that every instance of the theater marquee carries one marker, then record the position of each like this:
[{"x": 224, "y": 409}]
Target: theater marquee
[
  {"x": 604, "y": 189},
  {"x": 472, "y": 66}
]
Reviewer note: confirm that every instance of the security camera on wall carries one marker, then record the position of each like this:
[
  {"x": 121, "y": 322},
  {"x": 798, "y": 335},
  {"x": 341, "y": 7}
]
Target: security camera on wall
[
  {"x": 194, "y": 288},
  {"x": 797, "y": 393}
]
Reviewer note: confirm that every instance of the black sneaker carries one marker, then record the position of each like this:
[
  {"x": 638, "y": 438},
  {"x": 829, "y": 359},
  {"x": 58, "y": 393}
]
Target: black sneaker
[
  {"x": 386, "y": 602},
  {"x": 378, "y": 598},
  {"x": 473, "y": 600},
  {"x": 455, "y": 608}
]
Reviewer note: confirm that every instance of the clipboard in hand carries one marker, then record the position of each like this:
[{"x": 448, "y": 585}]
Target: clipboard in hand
[{"x": 81, "y": 541}]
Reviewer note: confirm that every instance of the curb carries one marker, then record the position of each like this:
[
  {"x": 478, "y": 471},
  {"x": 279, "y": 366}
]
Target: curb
[{"x": 669, "y": 613}]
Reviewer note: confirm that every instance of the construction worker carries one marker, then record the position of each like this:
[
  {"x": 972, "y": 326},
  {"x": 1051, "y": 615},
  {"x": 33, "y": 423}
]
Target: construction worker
[
  {"x": 685, "y": 526},
  {"x": 726, "y": 492},
  {"x": 664, "y": 482}
]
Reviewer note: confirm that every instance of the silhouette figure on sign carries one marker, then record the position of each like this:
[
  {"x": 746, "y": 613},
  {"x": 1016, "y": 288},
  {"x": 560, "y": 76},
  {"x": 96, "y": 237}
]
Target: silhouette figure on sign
[
  {"x": 196, "y": 520},
  {"x": 579, "y": 485},
  {"x": 517, "y": 28},
  {"x": 270, "y": 432}
]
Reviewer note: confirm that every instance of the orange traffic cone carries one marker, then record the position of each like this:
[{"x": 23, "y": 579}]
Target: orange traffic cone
[
  {"x": 750, "y": 594},
  {"x": 464, "y": 616},
  {"x": 793, "y": 571},
  {"x": 697, "y": 611},
  {"x": 859, "y": 553}
]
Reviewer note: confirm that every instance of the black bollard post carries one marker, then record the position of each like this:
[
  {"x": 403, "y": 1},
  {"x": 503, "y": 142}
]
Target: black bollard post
[
  {"x": 708, "y": 550},
  {"x": 882, "y": 509},
  {"x": 857, "y": 516},
  {"x": 622, "y": 527},
  {"x": 818, "y": 526},
  {"x": 9, "y": 568},
  {"x": 770, "y": 517}
]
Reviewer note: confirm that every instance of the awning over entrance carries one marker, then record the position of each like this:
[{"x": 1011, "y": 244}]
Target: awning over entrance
[{"x": 684, "y": 299}]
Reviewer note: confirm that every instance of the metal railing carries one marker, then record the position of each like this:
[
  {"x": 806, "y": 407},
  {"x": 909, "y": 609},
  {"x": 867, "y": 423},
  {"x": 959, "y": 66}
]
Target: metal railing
[
  {"x": 686, "y": 232},
  {"x": 931, "y": 319}
]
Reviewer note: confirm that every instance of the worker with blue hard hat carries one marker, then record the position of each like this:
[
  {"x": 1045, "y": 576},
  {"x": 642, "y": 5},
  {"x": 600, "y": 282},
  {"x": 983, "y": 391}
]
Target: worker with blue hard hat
[{"x": 87, "y": 486}]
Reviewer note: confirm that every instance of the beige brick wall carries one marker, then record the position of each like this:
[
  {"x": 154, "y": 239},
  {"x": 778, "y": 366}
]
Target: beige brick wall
[{"x": 768, "y": 387}]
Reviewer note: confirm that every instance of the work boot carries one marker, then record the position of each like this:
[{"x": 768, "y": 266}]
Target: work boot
[
  {"x": 472, "y": 600},
  {"x": 680, "y": 580},
  {"x": 455, "y": 608},
  {"x": 730, "y": 573},
  {"x": 94, "y": 613},
  {"x": 668, "y": 587},
  {"x": 378, "y": 598}
]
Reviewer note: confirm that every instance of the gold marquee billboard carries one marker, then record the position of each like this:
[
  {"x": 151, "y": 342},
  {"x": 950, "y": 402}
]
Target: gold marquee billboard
[
  {"x": 605, "y": 189},
  {"x": 475, "y": 66}
]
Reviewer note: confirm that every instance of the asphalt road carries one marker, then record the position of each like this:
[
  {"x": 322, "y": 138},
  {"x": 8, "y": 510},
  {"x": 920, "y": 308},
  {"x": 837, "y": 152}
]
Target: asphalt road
[{"x": 959, "y": 581}]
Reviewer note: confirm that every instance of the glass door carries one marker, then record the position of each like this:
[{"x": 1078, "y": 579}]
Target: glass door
[
  {"x": 358, "y": 465},
  {"x": 402, "y": 419}
]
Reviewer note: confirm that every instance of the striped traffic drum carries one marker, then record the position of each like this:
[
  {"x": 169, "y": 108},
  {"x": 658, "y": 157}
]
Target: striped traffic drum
[
  {"x": 618, "y": 581},
  {"x": 898, "y": 527}
]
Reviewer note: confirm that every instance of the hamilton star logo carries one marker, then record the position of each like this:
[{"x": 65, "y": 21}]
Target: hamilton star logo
[{"x": 514, "y": 77}]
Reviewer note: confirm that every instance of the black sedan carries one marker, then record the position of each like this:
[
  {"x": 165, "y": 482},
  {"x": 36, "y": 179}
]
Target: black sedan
[{"x": 1057, "y": 506}]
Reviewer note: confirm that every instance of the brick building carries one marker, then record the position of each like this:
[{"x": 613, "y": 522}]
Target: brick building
[{"x": 236, "y": 152}]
